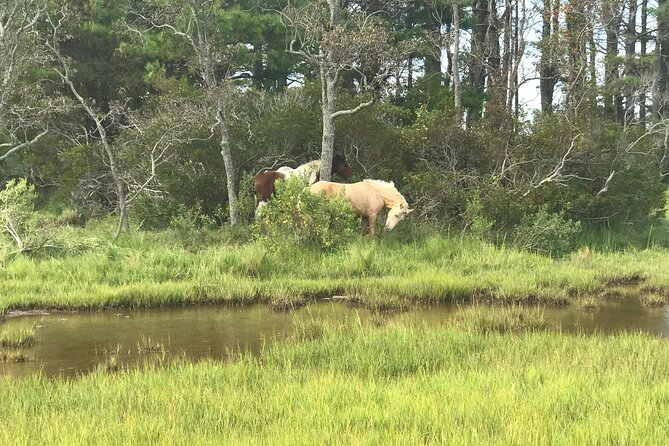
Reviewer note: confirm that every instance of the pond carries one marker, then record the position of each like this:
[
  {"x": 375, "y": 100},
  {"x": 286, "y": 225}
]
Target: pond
[{"x": 70, "y": 344}]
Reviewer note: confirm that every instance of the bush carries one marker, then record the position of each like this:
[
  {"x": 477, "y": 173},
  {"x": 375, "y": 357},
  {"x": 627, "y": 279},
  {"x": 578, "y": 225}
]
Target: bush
[
  {"x": 25, "y": 231},
  {"x": 187, "y": 224},
  {"x": 474, "y": 218},
  {"x": 296, "y": 217},
  {"x": 22, "y": 229},
  {"x": 547, "y": 232},
  {"x": 154, "y": 212},
  {"x": 246, "y": 200}
]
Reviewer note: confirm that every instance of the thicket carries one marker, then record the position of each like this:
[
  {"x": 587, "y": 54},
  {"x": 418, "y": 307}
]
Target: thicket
[
  {"x": 536, "y": 182},
  {"x": 296, "y": 217}
]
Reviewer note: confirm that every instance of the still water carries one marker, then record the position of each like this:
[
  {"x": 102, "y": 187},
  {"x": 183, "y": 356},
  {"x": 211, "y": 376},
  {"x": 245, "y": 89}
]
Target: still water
[{"x": 70, "y": 344}]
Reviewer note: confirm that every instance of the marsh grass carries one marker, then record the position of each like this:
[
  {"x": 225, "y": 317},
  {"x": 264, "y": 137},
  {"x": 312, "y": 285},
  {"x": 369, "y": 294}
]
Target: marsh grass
[
  {"x": 652, "y": 300},
  {"x": 504, "y": 319},
  {"x": 355, "y": 384},
  {"x": 112, "y": 363},
  {"x": 146, "y": 345},
  {"x": 13, "y": 355},
  {"x": 16, "y": 339},
  {"x": 589, "y": 304},
  {"x": 150, "y": 269}
]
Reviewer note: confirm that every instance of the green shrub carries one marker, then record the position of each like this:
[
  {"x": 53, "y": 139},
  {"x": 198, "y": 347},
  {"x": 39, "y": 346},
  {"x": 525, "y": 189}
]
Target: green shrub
[
  {"x": 547, "y": 232},
  {"x": 296, "y": 217},
  {"x": 22, "y": 229},
  {"x": 153, "y": 212},
  {"x": 475, "y": 219},
  {"x": 187, "y": 224},
  {"x": 246, "y": 200}
]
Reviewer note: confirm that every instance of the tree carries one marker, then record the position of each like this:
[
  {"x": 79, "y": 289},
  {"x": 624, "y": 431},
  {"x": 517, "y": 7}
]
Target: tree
[
  {"x": 335, "y": 39},
  {"x": 548, "y": 67},
  {"x": 457, "y": 92},
  {"x": 662, "y": 64},
  {"x": 21, "y": 123},
  {"x": 197, "y": 23},
  {"x": 611, "y": 19},
  {"x": 630, "y": 61}
]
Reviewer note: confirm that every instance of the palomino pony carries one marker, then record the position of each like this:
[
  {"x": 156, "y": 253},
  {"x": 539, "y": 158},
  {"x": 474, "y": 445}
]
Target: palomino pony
[
  {"x": 263, "y": 183},
  {"x": 369, "y": 198}
]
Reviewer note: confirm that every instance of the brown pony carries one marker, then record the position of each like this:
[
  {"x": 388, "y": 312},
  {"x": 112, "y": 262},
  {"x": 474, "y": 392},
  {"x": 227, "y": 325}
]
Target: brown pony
[
  {"x": 369, "y": 198},
  {"x": 263, "y": 183}
]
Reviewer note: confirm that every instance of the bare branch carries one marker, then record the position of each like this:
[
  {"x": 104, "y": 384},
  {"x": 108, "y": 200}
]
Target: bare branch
[{"x": 23, "y": 145}]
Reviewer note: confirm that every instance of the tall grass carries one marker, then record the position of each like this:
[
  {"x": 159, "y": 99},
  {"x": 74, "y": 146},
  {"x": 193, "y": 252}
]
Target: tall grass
[
  {"x": 24, "y": 337},
  {"x": 153, "y": 269},
  {"x": 354, "y": 384}
]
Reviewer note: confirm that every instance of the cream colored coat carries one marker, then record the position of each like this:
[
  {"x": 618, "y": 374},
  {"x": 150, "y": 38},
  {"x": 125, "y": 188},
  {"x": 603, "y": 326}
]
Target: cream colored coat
[{"x": 369, "y": 198}]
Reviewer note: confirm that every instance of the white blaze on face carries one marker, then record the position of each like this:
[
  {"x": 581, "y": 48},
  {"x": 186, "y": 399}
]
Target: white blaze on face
[{"x": 396, "y": 215}]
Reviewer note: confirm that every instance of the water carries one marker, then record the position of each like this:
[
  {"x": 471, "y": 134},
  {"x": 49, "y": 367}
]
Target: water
[{"x": 71, "y": 344}]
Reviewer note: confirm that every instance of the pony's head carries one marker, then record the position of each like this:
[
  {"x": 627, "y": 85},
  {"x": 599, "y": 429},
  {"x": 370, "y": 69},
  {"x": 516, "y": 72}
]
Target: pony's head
[
  {"x": 396, "y": 215},
  {"x": 341, "y": 167}
]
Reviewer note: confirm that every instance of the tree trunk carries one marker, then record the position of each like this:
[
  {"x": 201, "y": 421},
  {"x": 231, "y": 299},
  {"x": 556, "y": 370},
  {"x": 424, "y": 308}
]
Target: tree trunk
[
  {"x": 642, "y": 55},
  {"x": 457, "y": 94},
  {"x": 228, "y": 163},
  {"x": 496, "y": 87},
  {"x": 520, "y": 22},
  {"x": 448, "y": 75},
  {"x": 577, "y": 65},
  {"x": 611, "y": 16},
  {"x": 547, "y": 72},
  {"x": 477, "y": 55},
  {"x": 643, "y": 41},
  {"x": 432, "y": 60},
  {"x": 661, "y": 69},
  {"x": 329, "y": 77},
  {"x": 630, "y": 62},
  {"x": 329, "y": 106},
  {"x": 506, "y": 89}
]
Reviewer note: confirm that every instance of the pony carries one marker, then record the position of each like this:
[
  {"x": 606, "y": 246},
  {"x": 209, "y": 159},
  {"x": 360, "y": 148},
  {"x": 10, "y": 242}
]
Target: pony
[
  {"x": 369, "y": 198},
  {"x": 263, "y": 182}
]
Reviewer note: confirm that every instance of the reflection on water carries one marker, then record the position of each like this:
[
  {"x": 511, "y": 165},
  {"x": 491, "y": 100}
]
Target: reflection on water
[{"x": 74, "y": 343}]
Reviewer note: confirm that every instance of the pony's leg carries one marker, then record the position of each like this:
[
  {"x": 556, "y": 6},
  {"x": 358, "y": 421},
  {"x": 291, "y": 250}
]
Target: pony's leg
[
  {"x": 363, "y": 228},
  {"x": 261, "y": 205},
  {"x": 372, "y": 226}
]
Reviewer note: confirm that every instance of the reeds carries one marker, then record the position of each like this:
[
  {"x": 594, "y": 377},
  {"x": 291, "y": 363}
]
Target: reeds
[
  {"x": 14, "y": 342},
  {"x": 140, "y": 271},
  {"x": 356, "y": 383}
]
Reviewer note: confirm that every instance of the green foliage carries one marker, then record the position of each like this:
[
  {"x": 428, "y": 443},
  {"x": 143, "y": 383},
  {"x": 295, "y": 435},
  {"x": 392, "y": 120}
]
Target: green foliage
[
  {"x": 246, "y": 198},
  {"x": 475, "y": 219},
  {"x": 634, "y": 194},
  {"x": 547, "y": 232},
  {"x": 187, "y": 224},
  {"x": 154, "y": 212},
  {"x": 295, "y": 217},
  {"x": 26, "y": 231},
  {"x": 21, "y": 230}
]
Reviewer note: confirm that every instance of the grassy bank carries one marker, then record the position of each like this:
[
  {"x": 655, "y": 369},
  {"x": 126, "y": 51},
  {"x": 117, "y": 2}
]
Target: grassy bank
[
  {"x": 396, "y": 384},
  {"x": 147, "y": 269}
]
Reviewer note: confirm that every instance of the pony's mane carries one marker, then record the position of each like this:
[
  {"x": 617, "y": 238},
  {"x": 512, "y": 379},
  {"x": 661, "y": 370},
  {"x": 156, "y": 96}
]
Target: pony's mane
[
  {"x": 310, "y": 163},
  {"x": 380, "y": 182},
  {"x": 388, "y": 186}
]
